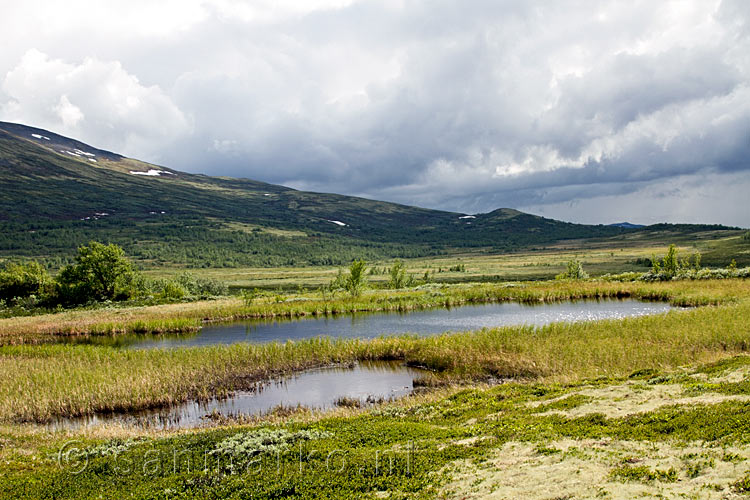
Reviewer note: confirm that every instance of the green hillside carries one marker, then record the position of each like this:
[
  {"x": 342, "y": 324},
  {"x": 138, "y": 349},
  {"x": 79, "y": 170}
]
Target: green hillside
[{"x": 58, "y": 193}]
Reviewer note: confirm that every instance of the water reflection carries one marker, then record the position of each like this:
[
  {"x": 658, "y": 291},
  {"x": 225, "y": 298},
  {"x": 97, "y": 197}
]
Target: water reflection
[
  {"x": 370, "y": 325},
  {"x": 318, "y": 389}
]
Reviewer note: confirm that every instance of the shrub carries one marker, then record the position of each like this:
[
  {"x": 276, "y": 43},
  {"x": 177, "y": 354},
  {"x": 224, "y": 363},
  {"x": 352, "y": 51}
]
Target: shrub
[
  {"x": 201, "y": 287},
  {"x": 245, "y": 445},
  {"x": 574, "y": 271},
  {"x": 24, "y": 280},
  {"x": 697, "y": 261},
  {"x": 168, "y": 289},
  {"x": 338, "y": 283},
  {"x": 354, "y": 282},
  {"x": 691, "y": 274},
  {"x": 643, "y": 261},
  {"x": 100, "y": 272},
  {"x": 399, "y": 279},
  {"x": 672, "y": 267},
  {"x": 642, "y": 473},
  {"x": 249, "y": 296},
  {"x": 357, "y": 279},
  {"x": 742, "y": 485},
  {"x": 671, "y": 264}
]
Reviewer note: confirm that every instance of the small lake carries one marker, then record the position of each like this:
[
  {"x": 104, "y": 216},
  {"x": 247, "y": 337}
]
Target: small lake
[
  {"x": 316, "y": 389},
  {"x": 370, "y": 325},
  {"x": 321, "y": 388}
]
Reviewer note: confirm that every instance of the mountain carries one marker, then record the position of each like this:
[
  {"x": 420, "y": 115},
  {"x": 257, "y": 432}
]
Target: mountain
[{"x": 58, "y": 193}]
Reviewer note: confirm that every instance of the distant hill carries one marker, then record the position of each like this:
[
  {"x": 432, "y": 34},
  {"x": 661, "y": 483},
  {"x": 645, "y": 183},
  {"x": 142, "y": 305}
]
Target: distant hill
[
  {"x": 58, "y": 193},
  {"x": 627, "y": 225}
]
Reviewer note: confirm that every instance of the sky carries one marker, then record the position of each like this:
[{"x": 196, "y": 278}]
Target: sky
[{"x": 587, "y": 111}]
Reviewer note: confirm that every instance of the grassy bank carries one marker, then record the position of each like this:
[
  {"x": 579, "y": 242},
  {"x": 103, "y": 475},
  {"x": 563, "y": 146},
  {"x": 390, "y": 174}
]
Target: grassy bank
[
  {"x": 680, "y": 434},
  {"x": 187, "y": 317},
  {"x": 41, "y": 382}
]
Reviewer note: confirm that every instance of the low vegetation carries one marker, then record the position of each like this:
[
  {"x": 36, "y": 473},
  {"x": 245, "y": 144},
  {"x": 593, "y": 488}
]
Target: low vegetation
[
  {"x": 574, "y": 271},
  {"x": 189, "y": 316},
  {"x": 398, "y": 277},
  {"x": 673, "y": 268},
  {"x": 100, "y": 273},
  {"x": 597, "y": 409},
  {"x": 458, "y": 443},
  {"x": 40, "y": 382}
]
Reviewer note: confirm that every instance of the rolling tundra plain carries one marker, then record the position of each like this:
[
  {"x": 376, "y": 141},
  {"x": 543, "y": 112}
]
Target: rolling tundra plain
[{"x": 200, "y": 337}]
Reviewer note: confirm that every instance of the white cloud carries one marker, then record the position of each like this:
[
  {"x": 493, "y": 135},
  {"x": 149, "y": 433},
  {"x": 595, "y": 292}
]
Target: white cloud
[
  {"x": 457, "y": 105},
  {"x": 69, "y": 113},
  {"x": 94, "y": 100}
]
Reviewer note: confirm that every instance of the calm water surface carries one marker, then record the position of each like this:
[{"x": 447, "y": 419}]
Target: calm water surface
[
  {"x": 321, "y": 387},
  {"x": 317, "y": 389},
  {"x": 370, "y": 325}
]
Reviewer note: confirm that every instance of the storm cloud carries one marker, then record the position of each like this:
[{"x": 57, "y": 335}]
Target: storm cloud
[{"x": 588, "y": 111}]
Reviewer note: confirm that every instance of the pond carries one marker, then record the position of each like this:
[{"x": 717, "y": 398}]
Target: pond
[
  {"x": 319, "y": 388},
  {"x": 370, "y": 325}
]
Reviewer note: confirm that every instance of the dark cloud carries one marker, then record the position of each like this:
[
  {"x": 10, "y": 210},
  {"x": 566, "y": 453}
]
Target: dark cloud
[{"x": 469, "y": 106}]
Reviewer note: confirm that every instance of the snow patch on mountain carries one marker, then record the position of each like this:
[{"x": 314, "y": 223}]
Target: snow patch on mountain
[{"x": 152, "y": 172}]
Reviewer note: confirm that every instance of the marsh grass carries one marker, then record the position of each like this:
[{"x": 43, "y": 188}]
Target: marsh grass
[
  {"x": 663, "y": 450},
  {"x": 188, "y": 317},
  {"x": 673, "y": 450},
  {"x": 41, "y": 382}
]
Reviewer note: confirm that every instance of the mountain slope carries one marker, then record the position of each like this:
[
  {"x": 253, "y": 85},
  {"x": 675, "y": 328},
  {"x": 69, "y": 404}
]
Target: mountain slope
[{"x": 58, "y": 193}]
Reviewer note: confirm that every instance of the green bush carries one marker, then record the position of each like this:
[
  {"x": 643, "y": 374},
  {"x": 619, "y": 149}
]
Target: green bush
[
  {"x": 23, "y": 280},
  {"x": 354, "y": 282},
  {"x": 574, "y": 271},
  {"x": 672, "y": 267},
  {"x": 399, "y": 278},
  {"x": 671, "y": 264},
  {"x": 100, "y": 272},
  {"x": 201, "y": 287},
  {"x": 357, "y": 279},
  {"x": 187, "y": 285},
  {"x": 168, "y": 289}
]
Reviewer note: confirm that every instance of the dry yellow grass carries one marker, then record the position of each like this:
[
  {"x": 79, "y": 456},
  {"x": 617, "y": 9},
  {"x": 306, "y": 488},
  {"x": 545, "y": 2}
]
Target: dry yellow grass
[
  {"x": 189, "y": 316},
  {"x": 41, "y": 382}
]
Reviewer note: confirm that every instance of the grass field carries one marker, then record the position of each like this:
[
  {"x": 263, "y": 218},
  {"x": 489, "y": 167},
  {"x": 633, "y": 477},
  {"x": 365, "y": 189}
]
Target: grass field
[
  {"x": 675, "y": 434},
  {"x": 41, "y": 382},
  {"x": 607, "y": 255},
  {"x": 649, "y": 406}
]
